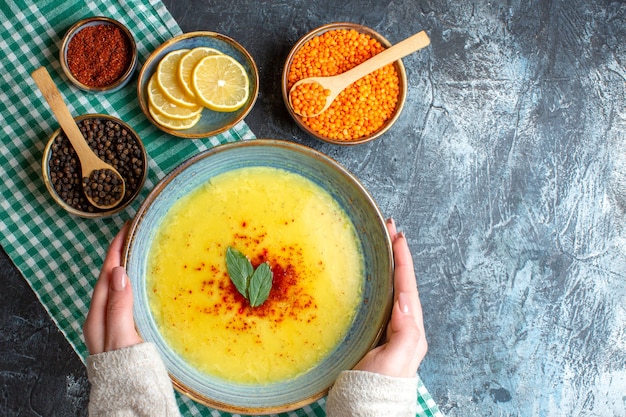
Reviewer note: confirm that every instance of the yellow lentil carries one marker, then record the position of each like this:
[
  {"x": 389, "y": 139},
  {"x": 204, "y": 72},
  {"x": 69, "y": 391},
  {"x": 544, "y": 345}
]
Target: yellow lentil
[
  {"x": 363, "y": 107},
  {"x": 309, "y": 98}
]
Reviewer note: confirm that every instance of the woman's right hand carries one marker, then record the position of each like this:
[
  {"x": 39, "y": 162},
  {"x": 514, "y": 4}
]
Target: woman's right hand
[{"x": 405, "y": 344}]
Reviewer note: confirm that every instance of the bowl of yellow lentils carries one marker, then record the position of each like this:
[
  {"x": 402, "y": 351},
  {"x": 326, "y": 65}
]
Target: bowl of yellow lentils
[{"x": 368, "y": 107}]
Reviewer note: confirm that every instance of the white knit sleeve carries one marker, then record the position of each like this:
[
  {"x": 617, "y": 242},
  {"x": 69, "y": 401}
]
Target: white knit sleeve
[
  {"x": 130, "y": 382},
  {"x": 367, "y": 394}
]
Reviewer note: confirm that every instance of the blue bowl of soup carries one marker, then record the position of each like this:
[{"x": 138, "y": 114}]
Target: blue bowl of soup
[{"x": 325, "y": 241}]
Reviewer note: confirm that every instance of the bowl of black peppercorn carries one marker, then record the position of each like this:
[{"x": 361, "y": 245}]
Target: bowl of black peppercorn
[{"x": 114, "y": 142}]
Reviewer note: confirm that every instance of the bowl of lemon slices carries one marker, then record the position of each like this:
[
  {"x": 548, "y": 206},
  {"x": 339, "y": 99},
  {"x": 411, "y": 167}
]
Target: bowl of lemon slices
[{"x": 198, "y": 84}]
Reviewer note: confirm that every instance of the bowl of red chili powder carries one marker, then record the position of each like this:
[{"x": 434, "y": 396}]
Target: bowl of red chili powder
[{"x": 98, "y": 55}]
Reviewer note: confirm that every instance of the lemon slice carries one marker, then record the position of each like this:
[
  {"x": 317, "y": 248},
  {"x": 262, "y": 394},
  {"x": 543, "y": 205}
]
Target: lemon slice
[
  {"x": 167, "y": 79},
  {"x": 174, "y": 124},
  {"x": 187, "y": 64},
  {"x": 220, "y": 83},
  {"x": 161, "y": 104}
]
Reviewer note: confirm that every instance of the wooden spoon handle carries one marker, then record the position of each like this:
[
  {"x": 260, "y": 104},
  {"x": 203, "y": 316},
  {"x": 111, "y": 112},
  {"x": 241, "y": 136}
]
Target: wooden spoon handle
[
  {"x": 400, "y": 50},
  {"x": 64, "y": 117}
]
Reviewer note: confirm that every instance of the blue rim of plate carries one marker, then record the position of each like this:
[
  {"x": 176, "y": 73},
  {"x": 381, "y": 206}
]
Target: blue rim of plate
[
  {"x": 369, "y": 323},
  {"x": 211, "y": 123}
]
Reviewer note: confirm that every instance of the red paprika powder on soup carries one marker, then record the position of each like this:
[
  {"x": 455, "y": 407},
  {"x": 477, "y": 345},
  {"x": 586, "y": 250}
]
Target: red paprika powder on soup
[{"x": 99, "y": 55}]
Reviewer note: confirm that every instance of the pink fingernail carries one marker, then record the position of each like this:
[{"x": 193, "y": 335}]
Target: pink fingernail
[
  {"x": 404, "y": 303},
  {"x": 119, "y": 279}
]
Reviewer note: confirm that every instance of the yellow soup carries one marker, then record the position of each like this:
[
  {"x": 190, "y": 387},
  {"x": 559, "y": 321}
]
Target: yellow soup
[{"x": 273, "y": 216}]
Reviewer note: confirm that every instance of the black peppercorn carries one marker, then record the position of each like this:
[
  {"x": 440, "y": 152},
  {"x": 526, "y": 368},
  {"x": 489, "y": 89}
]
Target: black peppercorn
[{"x": 110, "y": 141}]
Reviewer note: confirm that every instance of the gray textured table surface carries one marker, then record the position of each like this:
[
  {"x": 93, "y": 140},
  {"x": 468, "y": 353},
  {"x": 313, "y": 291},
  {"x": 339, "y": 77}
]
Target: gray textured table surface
[{"x": 506, "y": 171}]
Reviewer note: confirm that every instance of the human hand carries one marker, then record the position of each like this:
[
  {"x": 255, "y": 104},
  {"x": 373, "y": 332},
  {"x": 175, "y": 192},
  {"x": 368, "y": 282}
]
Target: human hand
[
  {"x": 110, "y": 324},
  {"x": 405, "y": 344}
]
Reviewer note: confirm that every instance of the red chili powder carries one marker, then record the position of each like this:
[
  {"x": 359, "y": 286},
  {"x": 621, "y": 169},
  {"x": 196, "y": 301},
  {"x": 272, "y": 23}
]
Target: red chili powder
[{"x": 99, "y": 55}]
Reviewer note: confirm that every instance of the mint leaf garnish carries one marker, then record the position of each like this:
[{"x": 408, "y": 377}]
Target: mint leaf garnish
[
  {"x": 254, "y": 285},
  {"x": 240, "y": 270},
  {"x": 260, "y": 285}
]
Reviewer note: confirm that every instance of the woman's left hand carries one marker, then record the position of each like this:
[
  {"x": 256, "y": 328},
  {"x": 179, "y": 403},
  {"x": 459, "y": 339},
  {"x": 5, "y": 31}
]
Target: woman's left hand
[{"x": 110, "y": 324}]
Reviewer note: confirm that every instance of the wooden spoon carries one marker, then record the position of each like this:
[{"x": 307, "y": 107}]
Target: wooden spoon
[
  {"x": 90, "y": 163},
  {"x": 337, "y": 83}
]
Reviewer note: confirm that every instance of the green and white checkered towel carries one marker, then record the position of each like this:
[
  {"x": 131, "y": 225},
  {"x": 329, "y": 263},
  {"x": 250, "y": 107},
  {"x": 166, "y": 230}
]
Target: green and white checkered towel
[{"x": 59, "y": 254}]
